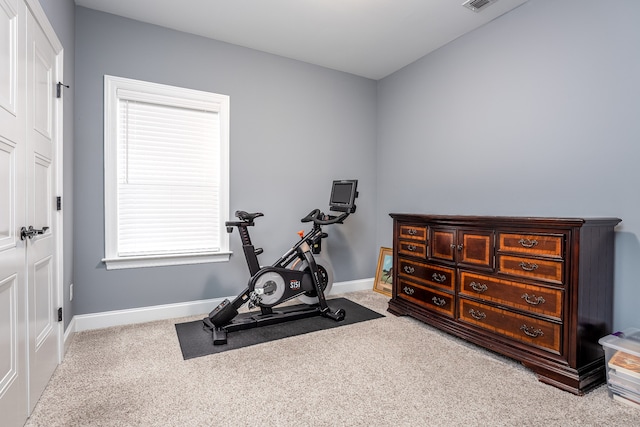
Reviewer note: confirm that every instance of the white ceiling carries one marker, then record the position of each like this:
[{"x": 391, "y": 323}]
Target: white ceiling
[{"x": 370, "y": 38}]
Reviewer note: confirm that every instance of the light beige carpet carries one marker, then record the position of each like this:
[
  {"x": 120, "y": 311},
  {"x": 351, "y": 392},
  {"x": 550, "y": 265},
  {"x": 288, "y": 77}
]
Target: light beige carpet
[{"x": 392, "y": 371}]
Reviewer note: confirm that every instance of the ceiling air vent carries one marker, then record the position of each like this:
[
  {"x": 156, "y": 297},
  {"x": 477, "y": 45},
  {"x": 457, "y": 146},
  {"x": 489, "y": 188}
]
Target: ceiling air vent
[{"x": 478, "y": 5}]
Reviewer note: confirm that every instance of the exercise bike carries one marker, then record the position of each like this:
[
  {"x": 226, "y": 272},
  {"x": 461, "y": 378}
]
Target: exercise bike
[{"x": 296, "y": 274}]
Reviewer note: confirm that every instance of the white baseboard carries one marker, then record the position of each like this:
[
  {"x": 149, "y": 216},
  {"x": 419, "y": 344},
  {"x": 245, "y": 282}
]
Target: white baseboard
[
  {"x": 68, "y": 335},
  {"x": 352, "y": 286},
  {"x": 85, "y": 322}
]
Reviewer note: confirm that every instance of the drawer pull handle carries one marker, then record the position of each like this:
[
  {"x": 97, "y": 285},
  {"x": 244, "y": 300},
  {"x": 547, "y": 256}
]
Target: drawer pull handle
[
  {"x": 533, "y": 300},
  {"x": 409, "y": 291},
  {"x": 478, "y": 315},
  {"x": 411, "y": 248},
  {"x": 533, "y": 333},
  {"x": 528, "y": 266},
  {"x": 479, "y": 287},
  {"x": 439, "y": 301},
  {"x": 412, "y": 232},
  {"x": 409, "y": 270},
  {"x": 440, "y": 278},
  {"x": 527, "y": 243}
]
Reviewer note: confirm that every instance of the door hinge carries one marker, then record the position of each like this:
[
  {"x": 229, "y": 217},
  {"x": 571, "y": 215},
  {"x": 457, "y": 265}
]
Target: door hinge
[
  {"x": 60, "y": 314},
  {"x": 59, "y": 87},
  {"x": 59, "y": 203}
]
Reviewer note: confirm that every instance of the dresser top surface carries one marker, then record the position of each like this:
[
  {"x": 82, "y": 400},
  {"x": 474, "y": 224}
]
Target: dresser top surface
[{"x": 503, "y": 220}]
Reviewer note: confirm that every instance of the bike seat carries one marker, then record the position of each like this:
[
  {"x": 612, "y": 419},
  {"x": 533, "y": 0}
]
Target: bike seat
[{"x": 245, "y": 216}]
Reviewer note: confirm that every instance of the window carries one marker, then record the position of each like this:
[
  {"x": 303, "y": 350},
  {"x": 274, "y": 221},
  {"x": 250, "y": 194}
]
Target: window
[{"x": 166, "y": 174}]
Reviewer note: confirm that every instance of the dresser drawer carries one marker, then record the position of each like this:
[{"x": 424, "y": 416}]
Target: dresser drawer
[
  {"x": 522, "y": 328},
  {"x": 533, "y": 244},
  {"x": 413, "y": 232},
  {"x": 432, "y": 275},
  {"x": 534, "y": 268},
  {"x": 412, "y": 248},
  {"x": 536, "y": 299},
  {"x": 432, "y": 299}
]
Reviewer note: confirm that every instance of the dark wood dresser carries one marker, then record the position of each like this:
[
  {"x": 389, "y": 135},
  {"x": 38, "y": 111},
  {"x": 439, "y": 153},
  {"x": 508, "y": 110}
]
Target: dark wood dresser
[{"x": 538, "y": 290}]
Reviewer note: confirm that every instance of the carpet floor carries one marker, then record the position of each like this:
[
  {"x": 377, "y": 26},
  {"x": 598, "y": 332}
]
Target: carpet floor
[{"x": 391, "y": 371}]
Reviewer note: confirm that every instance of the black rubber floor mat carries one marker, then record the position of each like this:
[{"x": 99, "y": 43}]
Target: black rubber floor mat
[{"x": 196, "y": 341}]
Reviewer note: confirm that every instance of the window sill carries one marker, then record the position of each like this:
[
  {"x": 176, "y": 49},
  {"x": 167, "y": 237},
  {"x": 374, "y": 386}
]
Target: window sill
[{"x": 164, "y": 260}]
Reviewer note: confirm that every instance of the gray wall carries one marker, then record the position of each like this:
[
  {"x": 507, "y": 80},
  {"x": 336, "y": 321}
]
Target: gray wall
[
  {"x": 534, "y": 114},
  {"x": 294, "y": 128},
  {"x": 61, "y": 15}
]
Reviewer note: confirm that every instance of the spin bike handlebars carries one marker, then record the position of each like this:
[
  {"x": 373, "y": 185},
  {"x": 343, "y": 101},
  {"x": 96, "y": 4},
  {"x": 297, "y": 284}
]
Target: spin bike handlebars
[
  {"x": 319, "y": 218},
  {"x": 315, "y": 216}
]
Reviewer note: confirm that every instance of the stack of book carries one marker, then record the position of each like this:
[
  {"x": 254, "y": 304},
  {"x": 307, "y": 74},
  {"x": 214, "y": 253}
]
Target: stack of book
[{"x": 622, "y": 353}]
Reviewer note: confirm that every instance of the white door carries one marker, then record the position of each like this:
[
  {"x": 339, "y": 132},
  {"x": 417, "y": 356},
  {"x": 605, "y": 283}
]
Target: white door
[
  {"x": 44, "y": 332},
  {"x": 29, "y": 333},
  {"x": 13, "y": 355}
]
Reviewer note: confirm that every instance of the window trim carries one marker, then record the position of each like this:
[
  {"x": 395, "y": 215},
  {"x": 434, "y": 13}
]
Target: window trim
[{"x": 179, "y": 97}]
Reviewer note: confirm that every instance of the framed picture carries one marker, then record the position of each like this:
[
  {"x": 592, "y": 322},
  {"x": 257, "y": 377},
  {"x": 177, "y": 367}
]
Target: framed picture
[{"x": 384, "y": 272}]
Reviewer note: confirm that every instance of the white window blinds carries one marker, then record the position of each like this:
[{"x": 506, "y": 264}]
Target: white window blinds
[
  {"x": 168, "y": 179},
  {"x": 166, "y": 184}
]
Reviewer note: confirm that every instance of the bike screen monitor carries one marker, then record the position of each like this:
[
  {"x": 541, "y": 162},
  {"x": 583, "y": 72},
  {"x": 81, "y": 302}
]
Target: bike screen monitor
[{"x": 343, "y": 196}]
